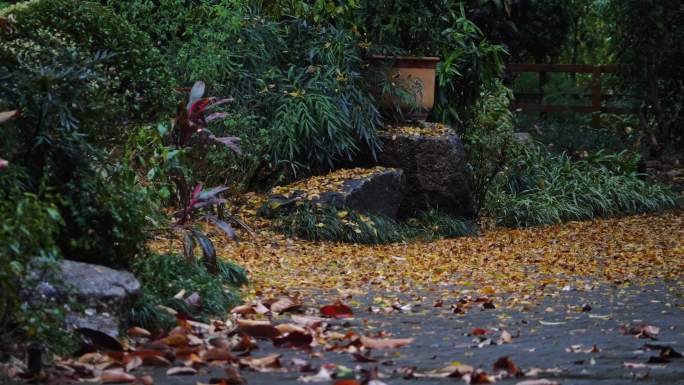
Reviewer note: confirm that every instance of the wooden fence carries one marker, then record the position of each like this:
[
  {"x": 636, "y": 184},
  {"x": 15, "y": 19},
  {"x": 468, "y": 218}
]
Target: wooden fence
[{"x": 597, "y": 97}]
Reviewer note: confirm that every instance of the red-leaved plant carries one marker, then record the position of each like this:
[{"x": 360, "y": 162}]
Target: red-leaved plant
[
  {"x": 201, "y": 200},
  {"x": 193, "y": 117}
]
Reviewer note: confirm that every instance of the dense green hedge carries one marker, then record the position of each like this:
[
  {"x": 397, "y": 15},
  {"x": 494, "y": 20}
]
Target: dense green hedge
[{"x": 139, "y": 86}]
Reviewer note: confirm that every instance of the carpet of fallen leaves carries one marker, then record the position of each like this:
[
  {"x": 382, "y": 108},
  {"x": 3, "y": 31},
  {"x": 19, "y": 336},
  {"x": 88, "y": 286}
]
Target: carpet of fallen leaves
[
  {"x": 428, "y": 129},
  {"x": 566, "y": 257},
  {"x": 499, "y": 260},
  {"x": 316, "y": 185}
]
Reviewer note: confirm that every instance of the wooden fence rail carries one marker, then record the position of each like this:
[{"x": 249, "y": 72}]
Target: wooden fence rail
[{"x": 596, "y": 95}]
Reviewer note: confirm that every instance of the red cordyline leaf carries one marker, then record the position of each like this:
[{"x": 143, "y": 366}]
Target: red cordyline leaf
[
  {"x": 231, "y": 142},
  {"x": 196, "y": 94},
  {"x": 194, "y": 198},
  {"x": 197, "y": 108}
]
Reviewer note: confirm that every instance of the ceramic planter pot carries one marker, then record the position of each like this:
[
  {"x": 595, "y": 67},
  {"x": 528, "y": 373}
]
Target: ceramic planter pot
[{"x": 414, "y": 74}]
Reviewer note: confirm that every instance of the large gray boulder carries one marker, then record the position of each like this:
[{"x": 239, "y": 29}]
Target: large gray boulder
[
  {"x": 436, "y": 170},
  {"x": 376, "y": 191},
  {"x": 105, "y": 294}
]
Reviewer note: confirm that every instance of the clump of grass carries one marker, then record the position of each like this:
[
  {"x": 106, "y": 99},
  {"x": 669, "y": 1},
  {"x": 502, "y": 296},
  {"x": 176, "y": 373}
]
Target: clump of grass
[
  {"x": 434, "y": 224},
  {"x": 332, "y": 224},
  {"x": 164, "y": 275},
  {"x": 545, "y": 188}
]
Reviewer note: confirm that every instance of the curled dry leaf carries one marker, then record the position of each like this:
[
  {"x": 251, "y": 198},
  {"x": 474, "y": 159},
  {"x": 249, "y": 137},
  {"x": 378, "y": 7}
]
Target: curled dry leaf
[
  {"x": 541, "y": 381},
  {"x": 233, "y": 378},
  {"x": 645, "y": 331},
  {"x": 358, "y": 357},
  {"x": 245, "y": 344},
  {"x": 181, "y": 371},
  {"x": 506, "y": 338},
  {"x": 505, "y": 364},
  {"x": 149, "y": 357},
  {"x": 243, "y": 310},
  {"x": 220, "y": 342},
  {"x": 385, "y": 343},
  {"x": 217, "y": 354},
  {"x": 257, "y": 329},
  {"x": 138, "y": 332},
  {"x": 260, "y": 308},
  {"x": 338, "y": 310},
  {"x": 455, "y": 370},
  {"x": 479, "y": 377},
  {"x": 285, "y": 304},
  {"x": 134, "y": 363},
  {"x": 263, "y": 364},
  {"x": 294, "y": 340},
  {"x": 307, "y": 321},
  {"x": 290, "y": 328},
  {"x": 116, "y": 377},
  {"x": 175, "y": 340},
  {"x": 478, "y": 332}
]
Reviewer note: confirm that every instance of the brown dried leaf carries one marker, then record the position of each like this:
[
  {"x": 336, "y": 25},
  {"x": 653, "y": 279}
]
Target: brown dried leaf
[
  {"x": 257, "y": 329},
  {"x": 505, "y": 364},
  {"x": 181, "y": 371},
  {"x": 294, "y": 340},
  {"x": 386, "y": 343},
  {"x": 285, "y": 304},
  {"x": 263, "y": 364},
  {"x": 175, "y": 340},
  {"x": 133, "y": 363},
  {"x": 217, "y": 354},
  {"x": 307, "y": 321},
  {"x": 290, "y": 328},
  {"x": 138, "y": 332},
  {"x": 116, "y": 377}
]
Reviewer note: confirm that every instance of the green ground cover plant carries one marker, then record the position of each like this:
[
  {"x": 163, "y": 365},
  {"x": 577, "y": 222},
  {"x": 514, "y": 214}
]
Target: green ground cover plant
[
  {"x": 163, "y": 276},
  {"x": 544, "y": 188},
  {"x": 331, "y": 224}
]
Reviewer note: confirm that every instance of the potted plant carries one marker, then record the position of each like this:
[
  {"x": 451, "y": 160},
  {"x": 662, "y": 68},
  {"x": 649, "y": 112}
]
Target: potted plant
[
  {"x": 409, "y": 85},
  {"x": 407, "y": 32}
]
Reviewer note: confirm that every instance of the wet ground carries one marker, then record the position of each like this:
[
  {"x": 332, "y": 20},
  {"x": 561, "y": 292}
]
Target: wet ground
[{"x": 570, "y": 335}]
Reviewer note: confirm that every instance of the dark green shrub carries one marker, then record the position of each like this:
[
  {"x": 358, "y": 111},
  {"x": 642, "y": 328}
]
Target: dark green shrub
[
  {"x": 103, "y": 210},
  {"x": 301, "y": 101},
  {"x": 489, "y": 140},
  {"x": 136, "y": 79},
  {"x": 106, "y": 217},
  {"x": 30, "y": 223}
]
